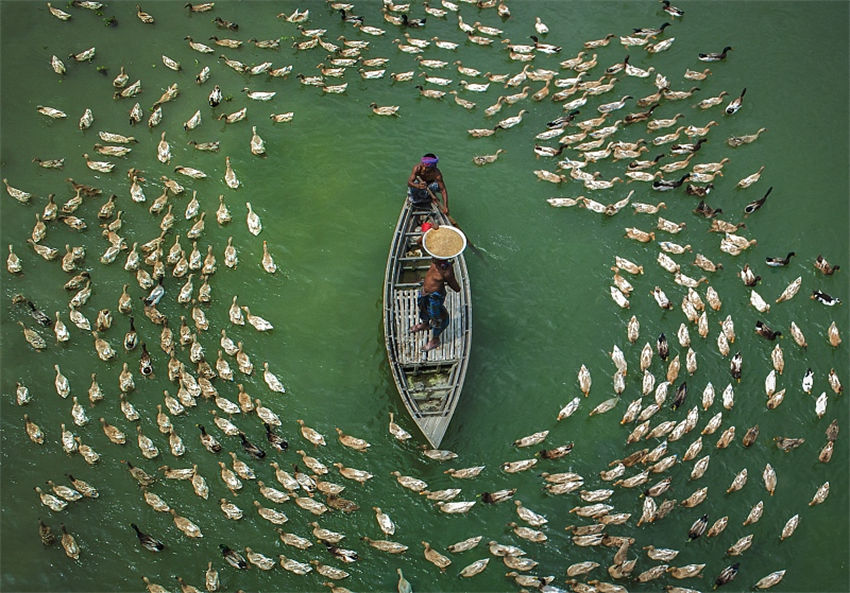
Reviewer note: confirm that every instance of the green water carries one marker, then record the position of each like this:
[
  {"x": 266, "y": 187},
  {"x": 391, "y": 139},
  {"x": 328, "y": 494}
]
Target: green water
[{"x": 329, "y": 193}]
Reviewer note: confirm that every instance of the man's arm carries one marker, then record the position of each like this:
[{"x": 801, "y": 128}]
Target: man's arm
[
  {"x": 451, "y": 280},
  {"x": 414, "y": 181},
  {"x": 445, "y": 193}
]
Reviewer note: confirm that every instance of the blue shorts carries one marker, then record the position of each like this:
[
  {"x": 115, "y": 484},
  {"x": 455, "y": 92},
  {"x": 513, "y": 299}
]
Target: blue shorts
[
  {"x": 420, "y": 197},
  {"x": 432, "y": 312}
]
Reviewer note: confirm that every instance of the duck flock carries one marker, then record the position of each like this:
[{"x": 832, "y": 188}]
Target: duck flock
[{"x": 300, "y": 486}]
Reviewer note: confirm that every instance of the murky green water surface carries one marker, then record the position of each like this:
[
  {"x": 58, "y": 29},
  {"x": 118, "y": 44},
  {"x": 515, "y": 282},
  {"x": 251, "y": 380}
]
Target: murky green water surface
[{"x": 328, "y": 194}]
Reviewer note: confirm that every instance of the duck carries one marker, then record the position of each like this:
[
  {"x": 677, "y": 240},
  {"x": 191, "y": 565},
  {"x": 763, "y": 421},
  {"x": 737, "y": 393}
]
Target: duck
[
  {"x": 729, "y": 573},
  {"x": 88, "y": 454},
  {"x": 825, "y": 299},
  {"x": 272, "y": 381},
  {"x": 148, "y": 449},
  {"x": 256, "y": 321},
  {"x": 632, "y": 118},
  {"x": 487, "y": 158},
  {"x": 714, "y": 56},
  {"x": 734, "y": 105},
  {"x": 250, "y": 448},
  {"x": 672, "y": 10},
  {"x": 352, "y": 442},
  {"x": 750, "y": 179},
  {"x": 231, "y": 258},
  {"x": 435, "y": 557},
  {"x": 357, "y": 475},
  {"x": 765, "y": 331},
  {"x": 277, "y": 441},
  {"x": 246, "y": 367},
  {"x": 688, "y": 148},
  {"x": 711, "y": 101},
  {"x": 46, "y": 534},
  {"x": 209, "y": 442},
  {"x": 748, "y": 277},
  {"x": 753, "y": 206},
  {"x": 824, "y": 267},
  {"x": 758, "y": 302},
  {"x": 163, "y": 150},
  {"x": 777, "y": 262},
  {"x": 241, "y": 468},
  {"x": 706, "y": 211},
  {"x": 69, "y": 544},
  {"x": 660, "y": 46},
  {"x": 697, "y": 75},
  {"x": 267, "y": 260},
  {"x": 735, "y": 141},
  {"x": 78, "y": 413},
  {"x": 668, "y": 185},
  {"x": 148, "y": 542},
  {"x": 230, "y": 479},
  {"x": 52, "y": 502}
]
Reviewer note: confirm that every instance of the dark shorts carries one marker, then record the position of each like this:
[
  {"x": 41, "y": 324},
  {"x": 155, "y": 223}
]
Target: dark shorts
[
  {"x": 432, "y": 312},
  {"x": 420, "y": 197}
]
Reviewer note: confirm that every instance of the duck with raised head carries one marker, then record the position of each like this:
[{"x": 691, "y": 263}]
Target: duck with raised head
[
  {"x": 748, "y": 277},
  {"x": 672, "y": 10},
  {"x": 714, "y": 56},
  {"x": 735, "y": 141},
  {"x": 711, "y": 101},
  {"x": 755, "y": 205},
  {"x": 734, "y": 105},
  {"x": 778, "y": 262},
  {"x": 750, "y": 179}
]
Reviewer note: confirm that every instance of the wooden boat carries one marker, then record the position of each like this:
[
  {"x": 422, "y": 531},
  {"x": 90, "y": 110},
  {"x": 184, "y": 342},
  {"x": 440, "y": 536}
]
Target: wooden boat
[{"x": 429, "y": 382}]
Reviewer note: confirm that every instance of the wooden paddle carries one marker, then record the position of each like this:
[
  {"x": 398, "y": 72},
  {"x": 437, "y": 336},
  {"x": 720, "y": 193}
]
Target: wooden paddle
[{"x": 455, "y": 224}]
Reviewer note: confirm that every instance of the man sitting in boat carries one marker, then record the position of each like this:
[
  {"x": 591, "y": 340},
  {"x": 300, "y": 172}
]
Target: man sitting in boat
[
  {"x": 426, "y": 176},
  {"x": 432, "y": 313}
]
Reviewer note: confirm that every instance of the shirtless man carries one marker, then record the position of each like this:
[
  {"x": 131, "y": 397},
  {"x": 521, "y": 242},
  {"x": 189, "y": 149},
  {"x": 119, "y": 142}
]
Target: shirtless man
[
  {"x": 426, "y": 175},
  {"x": 432, "y": 313}
]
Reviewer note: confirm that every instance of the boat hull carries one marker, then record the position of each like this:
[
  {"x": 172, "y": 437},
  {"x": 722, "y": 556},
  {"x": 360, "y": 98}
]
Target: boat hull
[{"x": 429, "y": 383}]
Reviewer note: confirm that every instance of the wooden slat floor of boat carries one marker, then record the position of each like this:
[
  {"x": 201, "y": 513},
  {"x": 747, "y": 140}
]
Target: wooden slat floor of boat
[{"x": 409, "y": 344}]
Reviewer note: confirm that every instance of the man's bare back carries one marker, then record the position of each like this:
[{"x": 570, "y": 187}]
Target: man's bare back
[{"x": 438, "y": 275}]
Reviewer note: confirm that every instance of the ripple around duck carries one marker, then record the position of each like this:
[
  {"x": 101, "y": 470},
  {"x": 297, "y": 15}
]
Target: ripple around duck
[{"x": 328, "y": 194}]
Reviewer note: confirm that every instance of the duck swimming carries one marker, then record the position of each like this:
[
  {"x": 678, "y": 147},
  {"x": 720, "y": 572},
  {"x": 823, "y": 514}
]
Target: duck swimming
[
  {"x": 735, "y": 141},
  {"x": 764, "y": 331},
  {"x": 820, "y": 264},
  {"x": 666, "y": 185},
  {"x": 736, "y": 104},
  {"x": 825, "y": 299},
  {"x": 148, "y": 542},
  {"x": 777, "y": 262},
  {"x": 714, "y": 57}
]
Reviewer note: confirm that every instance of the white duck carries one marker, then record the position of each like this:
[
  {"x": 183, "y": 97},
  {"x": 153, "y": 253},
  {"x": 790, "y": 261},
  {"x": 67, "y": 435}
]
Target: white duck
[
  {"x": 272, "y": 381},
  {"x": 258, "y": 145},
  {"x": 229, "y": 176},
  {"x": 163, "y": 150}
]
